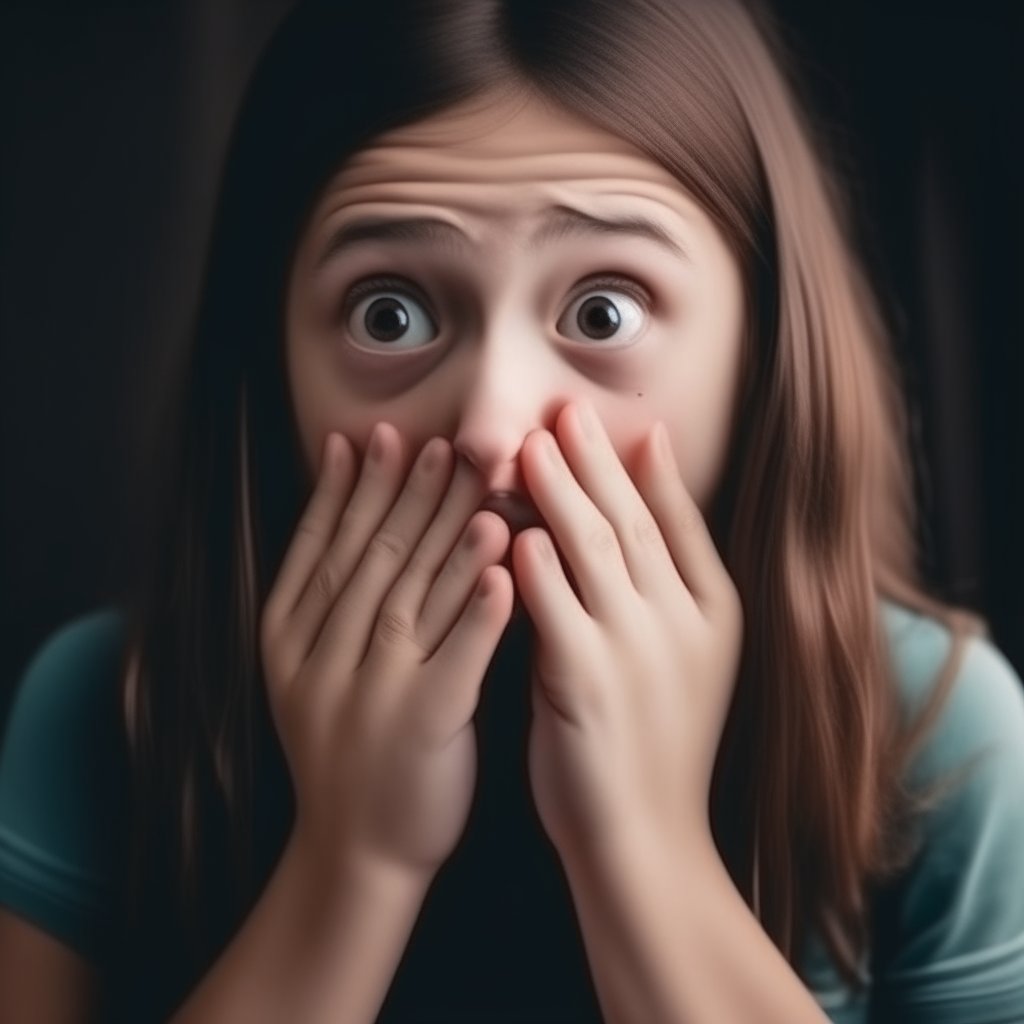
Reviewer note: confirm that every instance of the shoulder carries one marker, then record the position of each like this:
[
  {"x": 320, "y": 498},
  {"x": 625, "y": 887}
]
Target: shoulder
[
  {"x": 65, "y": 704},
  {"x": 951, "y": 929},
  {"x": 70, "y": 673},
  {"x": 62, "y": 782},
  {"x": 980, "y": 730}
]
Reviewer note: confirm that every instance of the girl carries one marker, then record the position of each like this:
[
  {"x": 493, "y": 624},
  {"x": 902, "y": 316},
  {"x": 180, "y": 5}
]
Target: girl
[{"x": 530, "y": 338}]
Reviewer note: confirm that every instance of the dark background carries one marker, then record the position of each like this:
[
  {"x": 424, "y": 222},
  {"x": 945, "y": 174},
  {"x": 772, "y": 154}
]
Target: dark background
[{"x": 113, "y": 127}]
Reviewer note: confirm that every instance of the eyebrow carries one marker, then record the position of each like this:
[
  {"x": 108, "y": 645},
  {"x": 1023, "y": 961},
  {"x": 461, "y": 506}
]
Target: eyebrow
[
  {"x": 567, "y": 222},
  {"x": 564, "y": 222},
  {"x": 390, "y": 229}
]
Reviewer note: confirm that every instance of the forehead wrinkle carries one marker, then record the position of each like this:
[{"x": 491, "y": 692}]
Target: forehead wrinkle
[
  {"x": 438, "y": 167},
  {"x": 447, "y": 215},
  {"x": 421, "y": 230},
  {"x": 568, "y": 222}
]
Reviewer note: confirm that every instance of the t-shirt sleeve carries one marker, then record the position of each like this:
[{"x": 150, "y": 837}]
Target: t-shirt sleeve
[
  {"x": 949, "y": 934},
  {"x": 63, "y": 795}
]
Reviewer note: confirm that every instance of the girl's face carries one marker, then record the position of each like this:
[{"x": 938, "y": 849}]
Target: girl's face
[{"x": 468, "y": 275}]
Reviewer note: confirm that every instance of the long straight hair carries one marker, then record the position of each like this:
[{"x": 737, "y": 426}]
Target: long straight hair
[{"x": 815, "y": 518}]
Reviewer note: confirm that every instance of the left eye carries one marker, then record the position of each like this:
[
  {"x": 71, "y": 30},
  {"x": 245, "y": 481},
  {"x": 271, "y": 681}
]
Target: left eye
[{"x": 602, "y": 314}]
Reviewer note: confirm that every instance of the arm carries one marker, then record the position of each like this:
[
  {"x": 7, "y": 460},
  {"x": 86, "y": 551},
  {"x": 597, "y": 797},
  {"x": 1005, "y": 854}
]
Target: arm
[
  {"x": 375, "y": 639},
  {"x": 305, "y": 954},
  {"x": 42, "y": 981},
  {"x": 313, "y": 950},
  {"x": 669, "y": 938},
  {"x": 632, "y": 678}
]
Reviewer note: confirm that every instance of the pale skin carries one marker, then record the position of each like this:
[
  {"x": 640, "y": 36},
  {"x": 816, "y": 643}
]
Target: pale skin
[{"x": 603, "y": 440}]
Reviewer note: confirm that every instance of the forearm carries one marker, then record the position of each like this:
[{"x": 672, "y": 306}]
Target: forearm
[
  {"x": 670, "y": 939},
  {"x": 312, "y": 951}
]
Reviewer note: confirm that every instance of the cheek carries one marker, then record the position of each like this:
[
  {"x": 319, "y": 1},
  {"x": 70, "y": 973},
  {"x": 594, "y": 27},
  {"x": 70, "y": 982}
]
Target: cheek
[
  {"x": 695, "y": 403},
  {"x": 700, "y": 411},
  {"x": 323, "y": 406},
  {"x": 699, "y": 423},
  {"x": 321, "y": 402}
]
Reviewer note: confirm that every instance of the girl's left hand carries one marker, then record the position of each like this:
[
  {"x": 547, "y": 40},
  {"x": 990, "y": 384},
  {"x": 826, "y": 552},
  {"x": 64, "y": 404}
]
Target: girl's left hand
[{"x": 632, "y": 679}]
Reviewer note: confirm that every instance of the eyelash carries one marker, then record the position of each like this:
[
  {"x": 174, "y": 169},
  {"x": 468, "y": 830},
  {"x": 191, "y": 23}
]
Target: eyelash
[
  {"x": 612, "y": 282},
  {"x": 370, "y": 285}
]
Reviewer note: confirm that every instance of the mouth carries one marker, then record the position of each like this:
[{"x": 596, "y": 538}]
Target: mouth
[{"x": 518, "y": 511}]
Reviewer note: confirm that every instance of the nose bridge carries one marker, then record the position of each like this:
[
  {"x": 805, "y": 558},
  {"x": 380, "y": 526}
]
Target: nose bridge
[{"x": 508, "y": 389}]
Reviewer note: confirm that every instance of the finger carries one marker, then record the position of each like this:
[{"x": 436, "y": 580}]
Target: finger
[
  {"x": 483, "y": 543},
  {"x": 318, "y": 523},
  {"x": 593, "y": 461},
  {"x": 447, "y": 697},
  {"x": 379, "y": 483},
  {"x": 356, "y": 618},
  {"x": 682, "y": 525},
  {"x": 583, "y": 535},
  {"x": 554, "y": 610},
  {"x": 462, "y": 499}
]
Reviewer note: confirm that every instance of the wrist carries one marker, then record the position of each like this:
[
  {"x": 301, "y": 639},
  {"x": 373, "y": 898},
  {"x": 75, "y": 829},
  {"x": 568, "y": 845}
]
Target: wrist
[
  {"x": 642, "y": 848},
  {"x": 335, "y": 884},
  {"x": 330, "y": 877}
]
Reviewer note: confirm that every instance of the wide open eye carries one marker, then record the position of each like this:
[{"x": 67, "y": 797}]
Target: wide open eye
[
  {"x": 603, "y": 315},
  {"x": 385, "y": 319}
]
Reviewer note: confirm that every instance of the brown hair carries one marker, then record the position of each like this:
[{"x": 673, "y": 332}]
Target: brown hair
[{"x": 815, "y": 518}]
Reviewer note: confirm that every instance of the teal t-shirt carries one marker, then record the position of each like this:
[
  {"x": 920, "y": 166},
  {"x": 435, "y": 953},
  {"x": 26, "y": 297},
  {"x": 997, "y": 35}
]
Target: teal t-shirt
[{"x": 497, "y": 930}]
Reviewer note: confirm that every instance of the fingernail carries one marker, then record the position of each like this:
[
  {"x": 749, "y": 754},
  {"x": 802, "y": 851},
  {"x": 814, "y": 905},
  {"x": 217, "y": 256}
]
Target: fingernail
[
  {"x": 664, "y": 444},
  {"x": 545, "y": 546},
  {"x": 327, "y": 457},
  {"x": 430, "y": 457},
  {"x": 589, "y": 423},
  {"x": 375, "y": 449}
]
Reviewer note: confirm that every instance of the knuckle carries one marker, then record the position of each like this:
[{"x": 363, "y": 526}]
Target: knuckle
[
  {"x": 394, "y": 628},
  {"x": 647, "y": 533},
  {"x": 388, "y": 546},
  {"x": 309, "y": 526},
  {"x": 689, "y": 520},
  {"x": 601, "y": 538},
  {"x": 324, "y": 583}
]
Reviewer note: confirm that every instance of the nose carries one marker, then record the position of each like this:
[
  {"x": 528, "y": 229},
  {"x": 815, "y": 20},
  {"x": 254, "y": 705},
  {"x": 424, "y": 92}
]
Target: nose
[{"x": 510, "y": 389}]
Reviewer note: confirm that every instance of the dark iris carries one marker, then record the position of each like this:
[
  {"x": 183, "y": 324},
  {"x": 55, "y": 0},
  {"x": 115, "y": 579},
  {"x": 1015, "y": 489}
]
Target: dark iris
[
  {"x": 386, "y": 319},
  {"x": 598, "y": 317}
]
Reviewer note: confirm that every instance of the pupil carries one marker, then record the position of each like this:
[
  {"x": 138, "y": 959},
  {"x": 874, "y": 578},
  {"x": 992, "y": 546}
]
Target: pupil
[
  {"x": 386, "y": 319},
  {"x": 598, "y": 317}
]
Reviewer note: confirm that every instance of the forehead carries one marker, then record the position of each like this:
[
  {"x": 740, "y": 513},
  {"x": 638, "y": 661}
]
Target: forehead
[{"x": 507, "y": 159}]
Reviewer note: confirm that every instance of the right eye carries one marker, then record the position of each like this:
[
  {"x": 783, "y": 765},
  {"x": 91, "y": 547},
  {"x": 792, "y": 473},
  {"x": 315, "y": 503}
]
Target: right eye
[{"x": 388, "y": 319}]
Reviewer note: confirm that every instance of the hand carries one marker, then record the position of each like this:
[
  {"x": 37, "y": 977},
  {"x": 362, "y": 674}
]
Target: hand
[
  {"x": 632, "y": 677},
  {"x": 375, "y": 639}
]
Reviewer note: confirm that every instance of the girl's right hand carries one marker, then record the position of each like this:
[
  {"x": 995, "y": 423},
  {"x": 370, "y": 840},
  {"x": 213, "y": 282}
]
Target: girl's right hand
[{"x": 375, "y": 638}]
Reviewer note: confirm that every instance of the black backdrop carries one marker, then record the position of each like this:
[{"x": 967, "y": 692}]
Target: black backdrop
[{"x": 113, "y": 124}]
